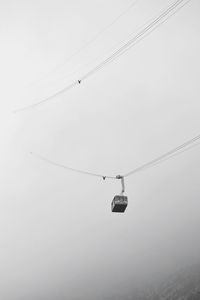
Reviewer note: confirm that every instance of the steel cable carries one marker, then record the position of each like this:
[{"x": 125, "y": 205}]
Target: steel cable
[{"x": 152, "y": 25}]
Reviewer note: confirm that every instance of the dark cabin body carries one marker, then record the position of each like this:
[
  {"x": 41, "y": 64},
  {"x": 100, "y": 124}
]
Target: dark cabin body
[{"x": 119, "y": 203}]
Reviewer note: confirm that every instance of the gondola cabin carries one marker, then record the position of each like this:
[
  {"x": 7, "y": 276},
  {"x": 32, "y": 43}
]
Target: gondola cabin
[{"x": 119, "y": 203}]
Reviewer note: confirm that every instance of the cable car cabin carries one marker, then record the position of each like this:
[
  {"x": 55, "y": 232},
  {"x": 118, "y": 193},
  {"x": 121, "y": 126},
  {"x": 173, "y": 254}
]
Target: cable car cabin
[{"x": 119, "y": 203}]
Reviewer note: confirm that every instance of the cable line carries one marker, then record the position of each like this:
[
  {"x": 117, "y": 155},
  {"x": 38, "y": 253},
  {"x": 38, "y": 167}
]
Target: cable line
[
  {"x": 71, "y": 169},
  {"x": 152, "y": 29},
  {"x": 171, "y": 153},
  {"x": 93, "y": 39},
  {"x": 65, "y": 89},
  {"x": 163, "y": 17},
  {"x": 167, "y": 155},
  {"x": 141, "y": 38},
  {"x": 154, "y": 24}
]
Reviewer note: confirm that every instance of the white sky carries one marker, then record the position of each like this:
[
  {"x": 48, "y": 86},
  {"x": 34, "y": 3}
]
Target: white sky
[{"x": 59, "y": 239}]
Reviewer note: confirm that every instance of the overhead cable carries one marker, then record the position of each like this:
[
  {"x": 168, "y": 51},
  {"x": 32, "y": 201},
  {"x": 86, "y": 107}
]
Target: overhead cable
[
  {"x": 167, "y": 155},
  {"x": 157, "y": 21},
  {"x": 92, "y": 40},
  {"x": 135, "y": 39},
  {"x": 151, "y": 29},
  {"x": 71, "y": 169}
]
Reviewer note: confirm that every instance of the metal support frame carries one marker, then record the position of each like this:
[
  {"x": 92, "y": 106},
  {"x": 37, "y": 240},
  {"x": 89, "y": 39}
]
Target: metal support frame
[{"x": 122, "y": 182}]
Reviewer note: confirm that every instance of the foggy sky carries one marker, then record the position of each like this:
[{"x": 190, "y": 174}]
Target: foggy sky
[{"x": 59, "y": 239}]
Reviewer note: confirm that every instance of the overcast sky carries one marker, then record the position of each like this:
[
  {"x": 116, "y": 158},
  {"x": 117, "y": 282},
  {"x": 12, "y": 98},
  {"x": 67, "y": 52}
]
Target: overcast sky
[{"x": 59, "y": 239}]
